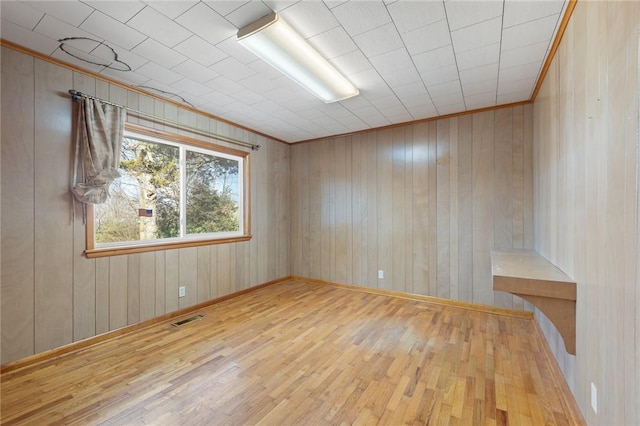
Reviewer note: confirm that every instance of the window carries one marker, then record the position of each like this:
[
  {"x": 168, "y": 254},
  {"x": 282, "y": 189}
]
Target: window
[{"x": 173, "y": 192}]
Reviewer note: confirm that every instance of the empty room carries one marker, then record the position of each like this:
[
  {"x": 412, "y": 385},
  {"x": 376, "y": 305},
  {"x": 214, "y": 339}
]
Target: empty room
[{"x": 320, "y": 212}]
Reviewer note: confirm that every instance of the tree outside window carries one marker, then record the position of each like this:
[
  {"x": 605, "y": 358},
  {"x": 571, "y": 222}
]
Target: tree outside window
[{"x": 171, "y": 191}]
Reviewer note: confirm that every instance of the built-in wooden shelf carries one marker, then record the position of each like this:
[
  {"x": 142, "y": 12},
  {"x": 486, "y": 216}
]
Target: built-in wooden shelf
[{"x": 530, "y": 276}]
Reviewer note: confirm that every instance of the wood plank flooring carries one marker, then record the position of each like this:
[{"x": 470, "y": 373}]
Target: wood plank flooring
[{"x": 301, "y": 353}]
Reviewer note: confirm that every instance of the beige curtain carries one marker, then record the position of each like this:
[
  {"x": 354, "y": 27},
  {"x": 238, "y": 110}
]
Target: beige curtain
[{"x": 100, "y": 128}]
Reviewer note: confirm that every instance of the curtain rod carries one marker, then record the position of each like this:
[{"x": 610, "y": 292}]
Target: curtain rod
[{"x": 75, "y": 95}]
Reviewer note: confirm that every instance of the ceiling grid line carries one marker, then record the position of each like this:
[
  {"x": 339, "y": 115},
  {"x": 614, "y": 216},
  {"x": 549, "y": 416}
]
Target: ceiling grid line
[
  {"x": 412, "y": 60},
  {"x": 500, "y": 56},
  {"x": 455, "y": 58},
  {"x": 414, "y": 65}
]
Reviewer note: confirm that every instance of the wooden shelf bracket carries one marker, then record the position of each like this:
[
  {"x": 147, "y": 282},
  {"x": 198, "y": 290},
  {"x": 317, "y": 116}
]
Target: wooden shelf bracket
[{"x": 530, "y": 276}]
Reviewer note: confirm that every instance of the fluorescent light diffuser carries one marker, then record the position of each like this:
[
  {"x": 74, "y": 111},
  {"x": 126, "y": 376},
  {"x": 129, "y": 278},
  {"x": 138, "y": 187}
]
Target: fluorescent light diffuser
[{"x": 278, "y": 44}]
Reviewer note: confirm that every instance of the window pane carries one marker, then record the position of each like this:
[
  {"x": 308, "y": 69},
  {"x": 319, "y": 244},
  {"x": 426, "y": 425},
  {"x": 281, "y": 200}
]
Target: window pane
[
  {"x": 144, "y": 201},
  {"x": 172, "y": 191},
  {"x": 212, "y": 194}
]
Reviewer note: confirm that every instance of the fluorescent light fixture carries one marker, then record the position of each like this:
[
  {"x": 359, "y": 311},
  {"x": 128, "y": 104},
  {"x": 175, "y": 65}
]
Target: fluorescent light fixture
[{"x": 278, "y": 44}]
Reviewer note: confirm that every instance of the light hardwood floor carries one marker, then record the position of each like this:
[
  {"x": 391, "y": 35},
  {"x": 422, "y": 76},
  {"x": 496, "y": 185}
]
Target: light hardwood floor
[{"x": 302, "y": 353}]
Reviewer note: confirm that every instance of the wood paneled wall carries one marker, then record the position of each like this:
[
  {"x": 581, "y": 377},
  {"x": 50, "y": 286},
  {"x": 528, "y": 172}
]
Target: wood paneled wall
[
  {"x": 424, "y": 203},
  {"x": 51, "y": 294},
  {"x": 586, "y": 200}
]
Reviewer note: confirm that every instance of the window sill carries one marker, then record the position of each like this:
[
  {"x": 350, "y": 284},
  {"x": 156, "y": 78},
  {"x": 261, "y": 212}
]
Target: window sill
[{"x": 112, "y": 251}]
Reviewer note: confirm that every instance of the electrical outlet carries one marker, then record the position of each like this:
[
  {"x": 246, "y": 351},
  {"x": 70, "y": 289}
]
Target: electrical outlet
[
  {"x": 594, "y": 398},
  {"x": 182, "y": 291},
  {"x": 380, "y": 274}
]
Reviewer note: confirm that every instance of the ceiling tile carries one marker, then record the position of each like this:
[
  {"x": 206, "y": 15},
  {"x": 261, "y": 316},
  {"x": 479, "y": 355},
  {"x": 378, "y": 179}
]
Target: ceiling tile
[
  {"x": 386, "y": 102},
  {"x": 333, "y": 43},
  {"x": 290, "y": 86},
  {"x": 313, "y": 113},
  {"x": 257, "y": 83},
  {"x": 232, "y": 69},
  {"x": 434, "y": 59},
  {"x": 464, "y": 13},
  {"x": 520, "y": 11},
  {"x": 120, "y": 58},
  {"x": 402, "y": 55},
  {"x": 129, "y": 77},
  {"x": 451, "y": 99},
  {"x": 351, "y": 63},
  {"x": 172, "y": 8},
  {"x": 402, "y": 76},
  {"x": 427, "y": 38},
  {"x": 218, "y": 98},
  {"x": 478, "y": 35},
  {"x": 20, "y": 14},
  {"x": 360, "y": 17},
  {"x": 191, "y": 87},
  {"x": 207, "y": 24},
  {"x": 231, "y": 47},
  {"x": 408, "y": 90},
  {"x": 157, "y": 26},
  {"x": 423, "y": 109},
  {"x": 416, "y": 102},
  {"x": 376, "y": 92},
  {"x": 108, "y": 28},
  {"x": 265, "y": 70},
  {"x": 159, "y": 73},
  {"x": 451, "y": 109},
  {"x": 309, "y": 18},
  {"x": 514, "y": 97},
  {"x": 279, "y": 5},
  {"x": 90, "y": 47},
  {"x": 120, "y": 10},
  {"x": 333, "y": 109},
  {"x": 225, "y": 85},
  {"x": 71, "y": 12},
  {"x": 529, "y": 33},
  {"x": 401, "y": 117},
  {"x": 29, "y": 39},
  {"x": 352, "y": 121},
  {"x": 200, "y": 51},
  {"x": 411, "y": 15},
  {"x": 56, "y": 29},
  {"x": 515, "y": 57},
  {"x": 480, "y": 101},
  {"x": 372, "y": 117},
  {"x": 378, "y": 41},
  {"x": 159, "y": 53},
  {"x": 285, "y": 97},
  {"x": 443, "y": 89},
  {"x": 223, "y": 7},
  {"x": 485, "y": 72},
  {"x": 368, "y": 79},
  {"x": 521, "y": 72},
  {"x": 478, "y": 57},
  {"x": 166, "y": 91},
  {"x": 268, "y": 106},
  {"x": 392, "y": 61},
  {"x": 62, "y": 56},
  {"x": 195, "y": 71},
  {"x": 248, "y": 13},
  {"x": 516, "y": 86},
  {"x": 333, "y": 3},
  {"x": 470, "y": 88},
  {"x": 439, "y": 75}
]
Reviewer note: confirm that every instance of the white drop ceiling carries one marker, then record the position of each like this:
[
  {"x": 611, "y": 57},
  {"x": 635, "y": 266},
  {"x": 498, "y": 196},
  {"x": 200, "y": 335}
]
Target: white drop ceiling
[{"x": 411, "y": 60}]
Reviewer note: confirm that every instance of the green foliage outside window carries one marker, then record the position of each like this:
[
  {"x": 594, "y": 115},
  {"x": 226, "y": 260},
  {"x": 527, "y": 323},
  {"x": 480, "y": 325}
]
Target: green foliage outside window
[{"x": 145, "y": 202}]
